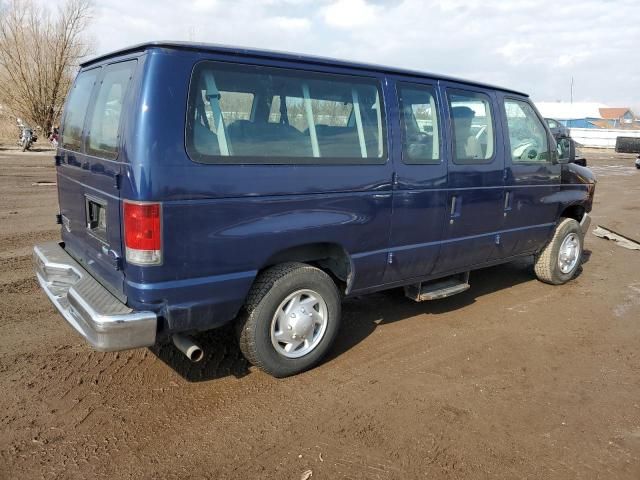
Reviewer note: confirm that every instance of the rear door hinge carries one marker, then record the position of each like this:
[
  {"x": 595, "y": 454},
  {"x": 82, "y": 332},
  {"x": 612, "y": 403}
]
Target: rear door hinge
[
  {"x": 390, "y": 258},
  {"x": 394, "y": 179},
  {"x": 116, "y": 180},
  {"x": 113, "y": 257}
]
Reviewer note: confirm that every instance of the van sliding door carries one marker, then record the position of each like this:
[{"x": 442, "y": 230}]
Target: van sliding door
[{"x": 419, "y": 195}]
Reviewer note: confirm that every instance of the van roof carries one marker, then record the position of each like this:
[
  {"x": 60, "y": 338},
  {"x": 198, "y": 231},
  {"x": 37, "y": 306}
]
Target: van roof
[{"x": 276, "y": 55}]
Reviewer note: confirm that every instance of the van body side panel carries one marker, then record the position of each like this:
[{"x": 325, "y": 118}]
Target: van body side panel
[
  {"x": 576, "y": 188},
  {"x": 223, "y": 222}
]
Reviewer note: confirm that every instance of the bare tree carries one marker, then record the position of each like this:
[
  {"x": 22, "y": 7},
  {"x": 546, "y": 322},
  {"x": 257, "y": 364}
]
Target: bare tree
[{"x": 39, "y": 55}]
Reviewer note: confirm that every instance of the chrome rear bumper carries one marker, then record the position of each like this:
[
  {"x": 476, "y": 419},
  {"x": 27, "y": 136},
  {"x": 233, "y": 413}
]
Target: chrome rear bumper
[{"x": 104, "y": 321}]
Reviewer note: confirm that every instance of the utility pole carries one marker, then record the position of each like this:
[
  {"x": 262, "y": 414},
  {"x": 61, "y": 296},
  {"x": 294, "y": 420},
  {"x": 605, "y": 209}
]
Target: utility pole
[{"x": 571, "y": 90}]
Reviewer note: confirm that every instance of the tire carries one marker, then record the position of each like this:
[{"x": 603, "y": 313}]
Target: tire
[
  {"x": 548, "y": 266},
  {"x": 292, "y": 289}
]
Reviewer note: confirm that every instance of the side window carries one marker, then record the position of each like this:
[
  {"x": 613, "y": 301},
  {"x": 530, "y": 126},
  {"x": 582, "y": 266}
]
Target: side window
[
  {"x": 419, "y": 117},
  {"x": 527, "y": 135},
  {"x": 282, "y": 116},
  {"x": 103, "y": 133},
  {"x": 473, "y": 130},
  {"x": 76, "y": 109}
]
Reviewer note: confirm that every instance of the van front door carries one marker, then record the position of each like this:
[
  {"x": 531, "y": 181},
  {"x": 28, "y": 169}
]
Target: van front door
[
  {"x": 532, "y": 183},
  {"x": 475, "y": 190}
]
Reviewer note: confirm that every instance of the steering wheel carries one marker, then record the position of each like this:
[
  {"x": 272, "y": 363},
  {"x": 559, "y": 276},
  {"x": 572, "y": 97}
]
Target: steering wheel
[
  {"x": 480, "y": 132},
  {"x": 527, "y": 150}
]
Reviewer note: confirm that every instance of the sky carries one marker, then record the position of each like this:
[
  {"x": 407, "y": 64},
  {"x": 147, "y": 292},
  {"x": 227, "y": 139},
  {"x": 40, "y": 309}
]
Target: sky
[{"x": 536, "y": 46}]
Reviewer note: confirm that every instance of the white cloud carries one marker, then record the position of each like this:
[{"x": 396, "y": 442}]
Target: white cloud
[
  {"x": 532, "y": 45},
  {"x": 516, "y": 52},
  {"x": 290, "y": 23},
  {"x": 571, "y": 59},
  {"x": 204, "y": 5},
  {"x": 350, "y": 13}
]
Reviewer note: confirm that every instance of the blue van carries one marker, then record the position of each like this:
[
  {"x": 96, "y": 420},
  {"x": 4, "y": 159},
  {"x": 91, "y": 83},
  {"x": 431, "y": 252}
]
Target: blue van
[{"x": 200, "y": 185}]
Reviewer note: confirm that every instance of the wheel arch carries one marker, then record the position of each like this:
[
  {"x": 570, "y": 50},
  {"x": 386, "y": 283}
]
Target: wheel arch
[
  {"x": 575, "y": 211},
  {"x": 331, "y": 257}
]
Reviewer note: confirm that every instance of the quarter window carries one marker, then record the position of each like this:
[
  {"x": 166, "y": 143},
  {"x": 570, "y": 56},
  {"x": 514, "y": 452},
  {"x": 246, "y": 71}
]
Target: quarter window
[
  {"x": 105, "y": 121},
  {"x": 473, "y": 130},
  {"x": 527, "y": 135},
  {"x": 284, "y": 117},
  {"x": 76, "y": 109},
  {"x": 419, "y": 115}
]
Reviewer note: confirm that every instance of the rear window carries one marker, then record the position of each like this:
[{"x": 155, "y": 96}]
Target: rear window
[
  {"x": 252, "y": 115},
  {"x": 76, "y": 109},
  {"x": 103, "y": 133}
]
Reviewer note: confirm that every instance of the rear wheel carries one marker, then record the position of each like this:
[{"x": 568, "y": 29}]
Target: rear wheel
[
  {"x": 290, "y": 319},
  {"x": 560, "y": 259}
]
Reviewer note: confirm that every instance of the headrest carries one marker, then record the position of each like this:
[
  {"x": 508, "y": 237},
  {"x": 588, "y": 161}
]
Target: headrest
[{"x": 462, "y": 112}]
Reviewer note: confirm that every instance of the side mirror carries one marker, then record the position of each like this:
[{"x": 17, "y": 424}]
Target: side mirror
[{"x": 564, "y": 150}]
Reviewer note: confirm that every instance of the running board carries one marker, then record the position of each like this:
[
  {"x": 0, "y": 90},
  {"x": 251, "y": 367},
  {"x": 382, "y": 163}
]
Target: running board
[{"x": 441, "y": 288}]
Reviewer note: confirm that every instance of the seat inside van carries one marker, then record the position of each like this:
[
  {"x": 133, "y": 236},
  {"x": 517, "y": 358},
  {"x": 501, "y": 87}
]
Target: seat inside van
[{"x": 255, "y": 138}]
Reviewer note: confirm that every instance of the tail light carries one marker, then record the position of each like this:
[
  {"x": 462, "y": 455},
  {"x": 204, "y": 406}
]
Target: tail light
[{"x": 143, "y": 233}]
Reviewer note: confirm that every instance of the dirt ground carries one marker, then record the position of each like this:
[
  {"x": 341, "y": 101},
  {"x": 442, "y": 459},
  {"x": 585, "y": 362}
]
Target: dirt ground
[{"x": 511, "y": 379}]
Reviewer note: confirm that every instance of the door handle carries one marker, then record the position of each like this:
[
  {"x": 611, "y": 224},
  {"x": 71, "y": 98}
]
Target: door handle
[
  {"x": 507, "y": 202},
  {"x": 455, "y": 208}
]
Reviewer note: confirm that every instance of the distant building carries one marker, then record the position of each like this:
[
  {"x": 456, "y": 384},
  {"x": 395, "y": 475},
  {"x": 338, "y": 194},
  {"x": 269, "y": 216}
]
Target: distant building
[
  {"x": 618, "y": 117},
  {"x": 589, "y": 115}
]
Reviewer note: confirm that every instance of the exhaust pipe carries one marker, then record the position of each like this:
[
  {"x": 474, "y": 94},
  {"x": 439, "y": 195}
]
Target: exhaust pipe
[{"x": 187, "y": 346}]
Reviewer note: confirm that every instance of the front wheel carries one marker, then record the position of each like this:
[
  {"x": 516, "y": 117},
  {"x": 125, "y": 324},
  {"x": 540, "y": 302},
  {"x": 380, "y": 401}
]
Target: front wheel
[
  {"x": 560, "y": 259},
  {"x": 290, "y": 319}
]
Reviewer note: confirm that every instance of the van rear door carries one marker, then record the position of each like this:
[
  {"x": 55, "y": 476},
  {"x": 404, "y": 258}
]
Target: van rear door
[{"x": 89, "y": 170}]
